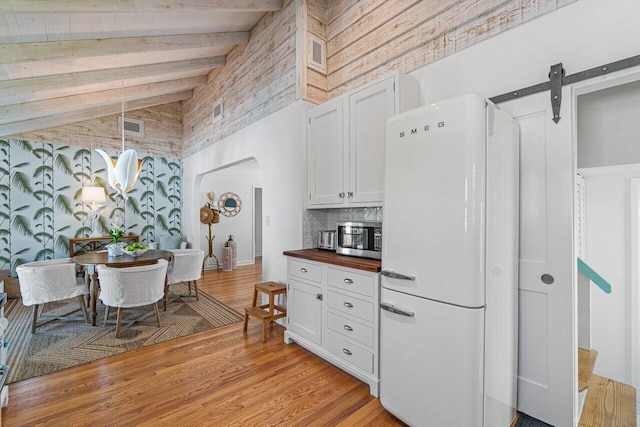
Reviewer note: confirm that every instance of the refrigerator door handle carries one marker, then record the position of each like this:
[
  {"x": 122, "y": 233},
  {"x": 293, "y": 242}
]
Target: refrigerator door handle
[
  {"x": 392, "y": 309},
  {"x": 394, "y": 275}
]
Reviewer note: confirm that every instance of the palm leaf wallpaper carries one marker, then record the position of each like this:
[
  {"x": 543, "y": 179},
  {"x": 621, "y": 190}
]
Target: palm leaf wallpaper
[{"x": 40, "y": 205}]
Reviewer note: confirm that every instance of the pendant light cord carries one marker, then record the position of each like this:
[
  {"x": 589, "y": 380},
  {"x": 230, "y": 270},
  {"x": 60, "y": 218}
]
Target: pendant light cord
[{"x": 122, "y": 92}]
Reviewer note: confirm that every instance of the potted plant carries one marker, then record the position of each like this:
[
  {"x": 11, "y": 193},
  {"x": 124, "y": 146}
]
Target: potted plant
[{"x": 116, "y": 232}]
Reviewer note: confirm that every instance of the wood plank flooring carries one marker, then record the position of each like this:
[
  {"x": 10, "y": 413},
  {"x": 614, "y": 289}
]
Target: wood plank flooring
[{"x": 218, "y": 377}]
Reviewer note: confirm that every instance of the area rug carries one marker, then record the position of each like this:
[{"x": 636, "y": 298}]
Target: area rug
[{"x": 62, "y": 344}]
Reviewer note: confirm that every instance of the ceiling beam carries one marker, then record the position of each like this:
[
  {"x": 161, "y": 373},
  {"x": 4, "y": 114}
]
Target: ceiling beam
[
  {"x": 54, "y": 86},
  {"x": 56, "y": 120},
  {"x": 98, "y": 6},
  {"x": 68, "y": 104},
  {"x": 12, "y": 53}
]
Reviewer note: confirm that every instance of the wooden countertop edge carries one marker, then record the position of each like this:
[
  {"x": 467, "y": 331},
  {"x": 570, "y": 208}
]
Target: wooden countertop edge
[{"x": 329, "y": 257}]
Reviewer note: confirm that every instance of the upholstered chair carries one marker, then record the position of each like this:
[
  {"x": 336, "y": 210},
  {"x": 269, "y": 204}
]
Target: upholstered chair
[
  {"x": 187, "y": 268},
  {"x": 132, "y": 287},
  {"x": 42, "y": 282}
]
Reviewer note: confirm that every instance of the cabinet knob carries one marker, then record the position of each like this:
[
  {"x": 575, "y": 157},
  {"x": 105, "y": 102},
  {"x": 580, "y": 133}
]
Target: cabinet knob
[
  {"x": 348, "y": 305},
  {"x": 350, "y": 194},
  {"x": 346, "y": 351},
  {"x": 319, "y": 297},
  {"x": 347, "y": 280},
  {"x": 303, "y": 270},
  {"x": 341, "y": 195}
]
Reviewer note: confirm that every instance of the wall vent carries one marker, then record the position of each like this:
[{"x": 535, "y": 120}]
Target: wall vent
[
  {"x": 317, "y": 54},
  {"x": 132, "y": 127},
  {"x": 217, "y": 111}
]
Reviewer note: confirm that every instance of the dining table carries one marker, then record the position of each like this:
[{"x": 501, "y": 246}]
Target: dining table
[{"x": 90, "y": 260}]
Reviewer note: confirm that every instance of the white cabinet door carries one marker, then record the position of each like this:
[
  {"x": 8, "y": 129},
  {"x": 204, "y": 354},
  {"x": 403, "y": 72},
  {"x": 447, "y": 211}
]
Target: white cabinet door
[
  {"x": 547, "y": 382},
  {"x": 304, "y": 309},
  {"x": 327, "y": 154},
  {"x": 369, "y": 110}
]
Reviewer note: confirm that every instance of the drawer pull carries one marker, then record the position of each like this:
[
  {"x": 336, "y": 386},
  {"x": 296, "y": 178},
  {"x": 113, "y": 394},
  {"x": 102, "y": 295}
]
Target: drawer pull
[
  {"x": 348, "y": 328},
  {"x": 348, "y": 305},
  {"x": 303, "y": 270},
  {"x": 347, "y": 280},
  {"x": 346, "y": 351}
]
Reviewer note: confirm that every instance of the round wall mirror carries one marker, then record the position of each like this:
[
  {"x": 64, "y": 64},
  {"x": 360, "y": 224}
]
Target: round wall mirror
[{"x": 229, "y": 204}]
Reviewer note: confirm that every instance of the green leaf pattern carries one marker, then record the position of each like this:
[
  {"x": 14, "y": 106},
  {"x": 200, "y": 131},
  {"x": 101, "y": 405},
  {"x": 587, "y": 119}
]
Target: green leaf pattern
[{"x": 40, "y": 205}]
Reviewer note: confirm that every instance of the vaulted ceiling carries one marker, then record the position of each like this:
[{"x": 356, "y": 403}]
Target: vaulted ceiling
[{"x": 65, "y": 61}]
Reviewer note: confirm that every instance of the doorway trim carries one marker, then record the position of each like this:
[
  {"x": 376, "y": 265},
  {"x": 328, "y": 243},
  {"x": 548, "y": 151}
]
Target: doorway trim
[
  {"x": 622, "y": 77},
  {"x": 634, "y": 263}
]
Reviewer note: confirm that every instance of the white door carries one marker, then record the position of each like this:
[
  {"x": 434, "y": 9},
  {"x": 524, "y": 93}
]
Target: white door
[
  {"x": 326, "y": 154},
  {"x": 369, "y": 109},
  {"x": 547, "y": 384},
  {"x": 304, "y": 309}
]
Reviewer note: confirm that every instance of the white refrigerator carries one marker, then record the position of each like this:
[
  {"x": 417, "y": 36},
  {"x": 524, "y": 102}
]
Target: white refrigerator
[{"x": 449, "y": 301}]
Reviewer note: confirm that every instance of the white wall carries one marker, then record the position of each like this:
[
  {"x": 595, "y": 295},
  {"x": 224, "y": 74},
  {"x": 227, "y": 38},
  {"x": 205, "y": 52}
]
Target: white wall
[
  {"x": 278, "y": 144},
  {"x": 240, "y": 180},
  {"x": 582, "y": 35},
  {"x": 608, "y": 239}
]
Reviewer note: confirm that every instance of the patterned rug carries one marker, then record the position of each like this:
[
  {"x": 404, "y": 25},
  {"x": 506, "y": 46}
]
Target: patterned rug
[{"x": 62, "y": 344}]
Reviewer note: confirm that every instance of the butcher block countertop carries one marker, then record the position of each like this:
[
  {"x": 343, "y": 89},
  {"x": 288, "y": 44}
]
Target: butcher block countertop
[{"x": 329, "y": 257}]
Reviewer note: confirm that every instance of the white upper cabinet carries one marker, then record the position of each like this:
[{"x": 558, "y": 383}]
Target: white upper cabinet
[
  {"x": 346, "y": 141},
  {"x": 326, "y": 153}
]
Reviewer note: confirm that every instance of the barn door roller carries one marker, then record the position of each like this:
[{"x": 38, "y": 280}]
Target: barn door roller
[{"x": 557, "y": 79}]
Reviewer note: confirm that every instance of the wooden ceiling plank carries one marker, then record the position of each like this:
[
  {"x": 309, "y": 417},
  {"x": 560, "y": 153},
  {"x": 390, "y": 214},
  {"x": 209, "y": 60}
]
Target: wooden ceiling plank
[
  {"x": 32, "y": 110},
  {"x": 6, "y": 130},
  {"x": 38, "y": 88},
  {"x": 102, "y": 6},
  {"x": 12, "y": 53}
]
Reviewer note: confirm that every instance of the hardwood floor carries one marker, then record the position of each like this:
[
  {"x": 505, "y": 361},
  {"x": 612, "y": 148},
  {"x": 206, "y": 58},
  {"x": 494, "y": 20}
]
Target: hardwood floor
[{"x": 218, "y": 377}]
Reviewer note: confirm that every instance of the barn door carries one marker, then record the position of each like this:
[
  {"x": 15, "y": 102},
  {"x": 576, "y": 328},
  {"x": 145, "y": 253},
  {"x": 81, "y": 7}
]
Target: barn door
[{"x": 547, "y": 339}]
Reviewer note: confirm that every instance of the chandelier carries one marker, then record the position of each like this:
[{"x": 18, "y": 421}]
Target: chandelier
[{"x": 123, "y": 173}]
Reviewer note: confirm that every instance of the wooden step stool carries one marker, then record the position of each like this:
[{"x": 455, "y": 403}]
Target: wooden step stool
[{"x": 266, "y": 312}]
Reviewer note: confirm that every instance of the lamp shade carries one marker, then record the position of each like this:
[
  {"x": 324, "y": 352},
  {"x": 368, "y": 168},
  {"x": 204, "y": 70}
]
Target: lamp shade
[{"x": 93, "y": 195}]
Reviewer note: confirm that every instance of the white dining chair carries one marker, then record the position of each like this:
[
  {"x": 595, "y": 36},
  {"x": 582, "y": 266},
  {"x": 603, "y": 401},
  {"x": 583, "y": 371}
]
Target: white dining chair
[
  {"x": 42, "y": 282},
  {"x": 187, "y": 268},
  {"x": 130, "y": 287}
]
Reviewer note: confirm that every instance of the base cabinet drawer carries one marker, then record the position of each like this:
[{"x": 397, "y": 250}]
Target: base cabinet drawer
[
  {"x": 351, "y": 305},
  {"x": 349, "y": 281},
  {"x": 351, "y": 353},
  {"x": 349, "y": 328},
  {"x": 305, "y": 270}
]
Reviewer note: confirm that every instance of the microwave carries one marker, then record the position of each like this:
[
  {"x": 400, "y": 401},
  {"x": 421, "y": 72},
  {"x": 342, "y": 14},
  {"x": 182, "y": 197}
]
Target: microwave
[{"x": 361, "y": 239}]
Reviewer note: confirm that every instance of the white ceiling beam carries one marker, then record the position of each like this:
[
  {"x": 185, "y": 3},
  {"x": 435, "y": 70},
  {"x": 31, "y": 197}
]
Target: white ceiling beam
[
  {"x": 54, "y": 86},
  {"x": 56, "y": 120},
  {"x": 12, "y": 53},
  {"x": 98, "y": 6},
  {"x": 68, "y": 104}
]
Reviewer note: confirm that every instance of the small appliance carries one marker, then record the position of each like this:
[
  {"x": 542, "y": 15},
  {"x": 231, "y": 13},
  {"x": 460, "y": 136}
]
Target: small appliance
[
  {"x": 361, "y": 239},
  {"x": 327, "y": 240}
]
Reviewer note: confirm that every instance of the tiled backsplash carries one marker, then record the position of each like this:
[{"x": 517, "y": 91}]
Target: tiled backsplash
[{"x": 314, "y": 220}]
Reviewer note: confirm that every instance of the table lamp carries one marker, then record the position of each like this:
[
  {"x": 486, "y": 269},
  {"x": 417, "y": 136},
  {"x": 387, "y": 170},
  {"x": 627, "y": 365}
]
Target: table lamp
[{"x": 93, "y": 195}]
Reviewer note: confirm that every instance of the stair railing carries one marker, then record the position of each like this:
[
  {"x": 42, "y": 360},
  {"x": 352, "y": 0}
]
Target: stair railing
[{"x": 593, "y": 276}]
